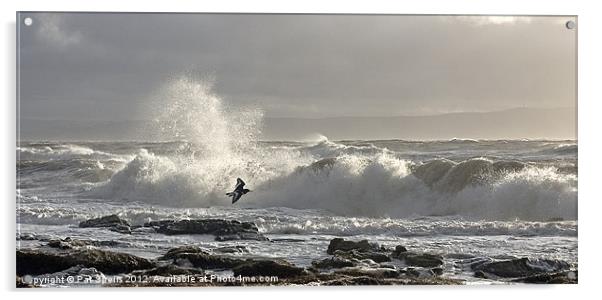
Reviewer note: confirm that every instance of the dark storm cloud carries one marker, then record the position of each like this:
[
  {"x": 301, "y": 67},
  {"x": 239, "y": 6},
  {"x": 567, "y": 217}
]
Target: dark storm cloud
[{"x": 106, "y": 66}]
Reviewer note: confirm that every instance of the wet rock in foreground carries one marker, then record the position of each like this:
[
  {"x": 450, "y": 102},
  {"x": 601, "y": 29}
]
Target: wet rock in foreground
[
  {"x": 424, "y": 260},
  {"x": 333, "y": 263},
  {"x": 168, "y": 270},
  {"x": 175, "y": 253},
  {"x": 279, "y": 268},
  {"x": 522, "y": 267},
  {"x": 569, "y": 277},
  {"x": 199, "y": 258},
  {"x": 35, "y": 262},
  {"x": 350, "y": 263},
  {"x": 363, "y": 255}
]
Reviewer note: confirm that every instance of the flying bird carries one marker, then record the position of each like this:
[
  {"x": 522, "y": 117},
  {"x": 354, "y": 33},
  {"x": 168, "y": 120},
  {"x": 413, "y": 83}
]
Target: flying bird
[{"x": 238, "y": 190}]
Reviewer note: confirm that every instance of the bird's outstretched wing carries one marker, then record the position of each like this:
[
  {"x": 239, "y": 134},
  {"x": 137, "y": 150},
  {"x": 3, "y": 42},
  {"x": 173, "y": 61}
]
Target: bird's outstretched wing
[{"x": 239, "y": 184}]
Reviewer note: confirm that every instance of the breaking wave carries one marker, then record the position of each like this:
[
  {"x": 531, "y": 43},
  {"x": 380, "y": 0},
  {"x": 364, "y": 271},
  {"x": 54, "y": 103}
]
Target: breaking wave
[
  {"x": 360, "y": 180},
  {"x": 353, "y": 180},
  {"x": 383, "y": 185},
  {"x": 212, "y": 144}
]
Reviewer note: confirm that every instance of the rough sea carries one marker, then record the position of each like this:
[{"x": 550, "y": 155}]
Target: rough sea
[
  {"x": 460, "y": 198},
  {"x": 465, "y": 199}
]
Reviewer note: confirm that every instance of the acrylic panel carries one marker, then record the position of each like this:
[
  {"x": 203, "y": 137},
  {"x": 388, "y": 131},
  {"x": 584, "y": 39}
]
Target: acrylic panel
[{"x": 193, "y": 149}]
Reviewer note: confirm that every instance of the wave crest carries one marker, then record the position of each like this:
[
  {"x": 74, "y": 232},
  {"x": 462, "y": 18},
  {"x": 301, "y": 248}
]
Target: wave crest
[{"x": 347, "y": 178}]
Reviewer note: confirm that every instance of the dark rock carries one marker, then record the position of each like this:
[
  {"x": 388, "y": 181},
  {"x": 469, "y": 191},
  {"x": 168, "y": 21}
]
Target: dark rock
[
  {"x": 121, "y": 229},
  {"x": 213, "y": 261},
  {"x": 35, "y": 262},
  {"x": 279, "y": 268},
  {"x": 522, "y": 267},
  {"x": 398, "y": 250},
  {"x": 420, "y": 273},
  {"x": 106, "y": 221},
  {"x": 112, "y": 222},
  {"x": 59, "y": 244},
  {"x": 354, "y": 258},
  {"x": 473, "y": 263},
  {"x": 176, "y": 253},
  {"x": 343, "y": 245},
  {"x": 342, "y": 279},
  {"x": 333, "y": 263},
  {"x": 224, "y": 230},
  {"x": 424, "y": 260},
  {"x": 168, "y": 270},
  {"x": 360, "y": 255},
  {"x": 200, "y": 258},
  {"x": 569, "y": 277}
]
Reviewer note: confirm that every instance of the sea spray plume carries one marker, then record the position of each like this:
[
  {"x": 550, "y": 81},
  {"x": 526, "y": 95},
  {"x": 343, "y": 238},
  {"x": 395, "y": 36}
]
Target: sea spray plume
[
  {"x": 187, "y": 109},
  {"x": 221, "y": 145}
]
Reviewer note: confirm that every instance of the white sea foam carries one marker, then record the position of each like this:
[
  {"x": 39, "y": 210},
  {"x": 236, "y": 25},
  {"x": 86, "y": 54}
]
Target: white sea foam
[
  {"x": 384, "y": 186},
  {"x": 355, "y": 180},
  {"x": 357, "y": 185}
]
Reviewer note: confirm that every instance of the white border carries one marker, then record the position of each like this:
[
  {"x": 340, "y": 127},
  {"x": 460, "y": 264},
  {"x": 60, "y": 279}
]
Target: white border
[{"x": 589, "y": 138}]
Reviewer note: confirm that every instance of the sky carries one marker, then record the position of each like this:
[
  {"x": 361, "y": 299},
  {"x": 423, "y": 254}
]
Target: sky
[{"x": 108, "y": 67}]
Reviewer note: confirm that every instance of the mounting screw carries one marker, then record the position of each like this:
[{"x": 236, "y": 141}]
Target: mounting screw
[{"x": 570, "y": 25}]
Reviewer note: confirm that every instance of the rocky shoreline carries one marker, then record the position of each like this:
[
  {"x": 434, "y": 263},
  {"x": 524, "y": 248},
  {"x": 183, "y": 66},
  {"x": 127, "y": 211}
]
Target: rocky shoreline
[{"x": 349, "y": 262}]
